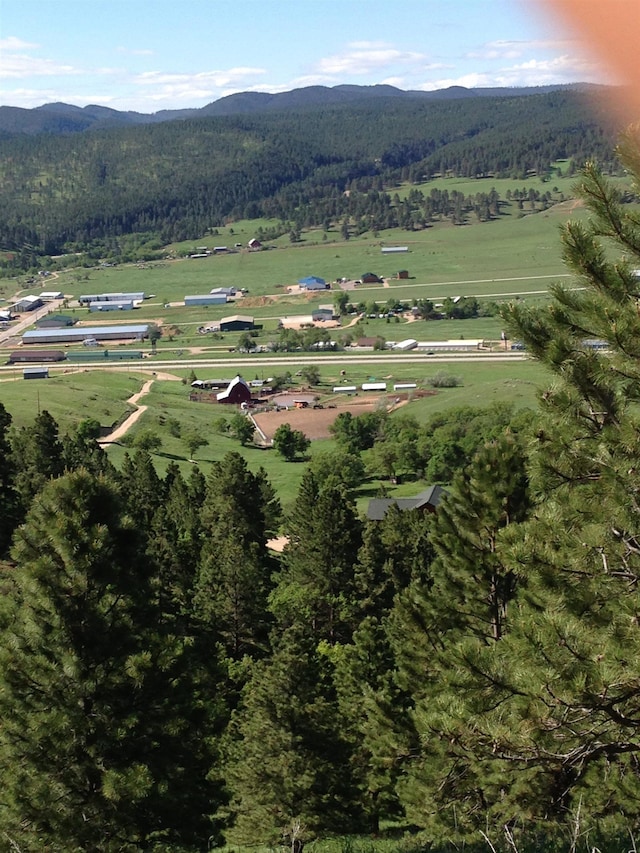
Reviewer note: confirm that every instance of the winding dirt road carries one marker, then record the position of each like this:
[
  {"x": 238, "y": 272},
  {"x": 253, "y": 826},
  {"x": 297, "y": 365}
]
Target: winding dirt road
[{"x": 121, "y": 430}]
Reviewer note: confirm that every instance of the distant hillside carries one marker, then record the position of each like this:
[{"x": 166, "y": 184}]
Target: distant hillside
[
  {"x": 66, "y": 118},
  {"x": 173, "y": 180}
]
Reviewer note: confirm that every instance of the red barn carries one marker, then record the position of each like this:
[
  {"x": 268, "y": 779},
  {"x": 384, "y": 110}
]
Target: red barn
[{"x": 237, "y": 392}]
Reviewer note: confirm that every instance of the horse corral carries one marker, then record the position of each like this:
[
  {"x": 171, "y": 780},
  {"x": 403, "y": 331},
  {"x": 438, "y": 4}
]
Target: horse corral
[{"x": 315, "y": 422}]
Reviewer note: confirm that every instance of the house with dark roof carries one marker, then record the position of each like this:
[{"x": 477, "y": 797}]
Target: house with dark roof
[
  {"x": 426, "y": 501},
  {"x": 236, "y": 323},
  {"x": 55, "y": 321}
]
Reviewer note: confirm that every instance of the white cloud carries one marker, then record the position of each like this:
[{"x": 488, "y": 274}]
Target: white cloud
[
  {"x": 515, "y": 48},
  {"x": 13, "y": 43},
  {"x": 361, "y": 58},
  {"x": 189, "y": 89},
  {"x": 215, "y": 79},
  {"x": 16, "y": 64},
  {"x": 532, "y": 72}
]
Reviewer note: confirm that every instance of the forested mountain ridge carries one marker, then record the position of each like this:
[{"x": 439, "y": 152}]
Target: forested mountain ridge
[
  {"x": 175, "y": 180},
  {"x": 67, "y": 118}
]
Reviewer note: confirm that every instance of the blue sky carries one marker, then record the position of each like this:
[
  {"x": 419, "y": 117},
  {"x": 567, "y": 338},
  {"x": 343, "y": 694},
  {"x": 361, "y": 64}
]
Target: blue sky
[{"x": 148, "y": 55}]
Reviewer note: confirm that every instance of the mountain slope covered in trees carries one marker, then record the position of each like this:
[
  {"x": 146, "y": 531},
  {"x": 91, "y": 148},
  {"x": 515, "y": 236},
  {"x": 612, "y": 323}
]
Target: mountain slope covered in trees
[{"x": 177, "y": 179}]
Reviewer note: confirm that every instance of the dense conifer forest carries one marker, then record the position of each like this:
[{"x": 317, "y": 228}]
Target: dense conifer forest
[{"x": 305, "y": 167}]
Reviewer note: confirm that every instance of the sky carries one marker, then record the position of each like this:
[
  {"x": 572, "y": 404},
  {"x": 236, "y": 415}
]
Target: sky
[{"x": 150, "y": 55}]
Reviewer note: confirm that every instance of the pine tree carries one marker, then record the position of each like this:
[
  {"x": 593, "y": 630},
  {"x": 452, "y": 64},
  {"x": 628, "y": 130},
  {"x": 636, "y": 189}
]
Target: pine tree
[
  {"x": 141, "y": 487},
  {"x": 544, "y": 725},
  {"x": 234, "y": 573},
  {"x": 109, "y": 730},
  {"x": 289, "y": 765},
  {"x": 36, "y": 454},
  {"x": 10, "y": 511},
  {"x": 437, "y": 629},
  {"x": 568, "y": 666},
  {"x": 316, "y": 585}
]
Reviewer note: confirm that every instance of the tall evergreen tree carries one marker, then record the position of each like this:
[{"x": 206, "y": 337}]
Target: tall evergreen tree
[
  {"x": 568, "y": 673},
  {"x": 437, "y": 629},
  {"x": 9, "y": 501},
  {"x": 108, "y": 734},
  {"x": 316, "y": 585},
  {"x": 141, "y": 487},
  {"x": 234, "y": 573},
  {"x": 289, "y": 766},
  {"x": 36, "y": 453}
]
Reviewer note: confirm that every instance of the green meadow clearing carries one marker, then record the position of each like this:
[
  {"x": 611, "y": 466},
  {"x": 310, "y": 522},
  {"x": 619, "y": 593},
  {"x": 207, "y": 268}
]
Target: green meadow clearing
[
  {"x": 75, "y": 396},
  {"x": 515, "y": 257}
]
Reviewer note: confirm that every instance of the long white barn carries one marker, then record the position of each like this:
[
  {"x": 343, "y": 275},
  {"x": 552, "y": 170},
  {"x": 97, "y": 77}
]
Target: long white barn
[{"x": 77, "y": 335}]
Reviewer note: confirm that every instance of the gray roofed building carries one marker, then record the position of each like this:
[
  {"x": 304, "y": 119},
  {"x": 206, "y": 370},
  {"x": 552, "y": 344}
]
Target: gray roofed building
[
  {"x": 99, "y": 333},
  {"x": 427, "y": 501}
]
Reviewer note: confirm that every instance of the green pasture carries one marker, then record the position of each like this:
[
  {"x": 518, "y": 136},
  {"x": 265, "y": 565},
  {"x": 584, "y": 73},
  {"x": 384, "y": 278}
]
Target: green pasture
[
  {"x": 500, "y": 258},
  {"x": 75, "y": 396},
  {"x": 516, "y": 383},
  {"x": 71, "y": 396}
]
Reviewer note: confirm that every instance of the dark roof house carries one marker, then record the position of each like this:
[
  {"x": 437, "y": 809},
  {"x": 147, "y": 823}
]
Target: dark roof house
[
  {"x": 236, "y": 323},
  {"x": 427, "y": 501}
]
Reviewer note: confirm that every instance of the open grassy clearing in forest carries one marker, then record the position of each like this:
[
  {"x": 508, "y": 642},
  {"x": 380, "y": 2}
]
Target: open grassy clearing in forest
[
  {"x": 515, "y": 255},
  {"x": 500, "y": 260},
  {"x": 103, "y": 395}
]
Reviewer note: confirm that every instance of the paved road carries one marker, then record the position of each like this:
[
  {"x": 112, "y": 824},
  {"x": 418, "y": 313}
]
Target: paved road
[{"x": 234, "y": 365}]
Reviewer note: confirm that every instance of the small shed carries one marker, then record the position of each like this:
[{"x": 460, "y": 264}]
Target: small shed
[
  {"x": 322, "y": 313},
  {"x": 402, "y": 274},
  {"x": 254, "y": 244},
  {"x": 237, "y": 392},
  {"x": 35, "y": 373},
  {"x": 370, "y": 278}
]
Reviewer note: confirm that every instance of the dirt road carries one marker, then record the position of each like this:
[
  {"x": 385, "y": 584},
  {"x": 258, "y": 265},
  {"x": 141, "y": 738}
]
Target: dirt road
[{"x": 126, "y": 425}]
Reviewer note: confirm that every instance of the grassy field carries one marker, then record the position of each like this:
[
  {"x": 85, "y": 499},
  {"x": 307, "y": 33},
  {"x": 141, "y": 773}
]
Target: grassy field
[
  {"x": 511, "y": 255},
  {"x": 71, "y": 397},
  {"x": 517, "y": 256},
  {"x": 510, "y": 258}
]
